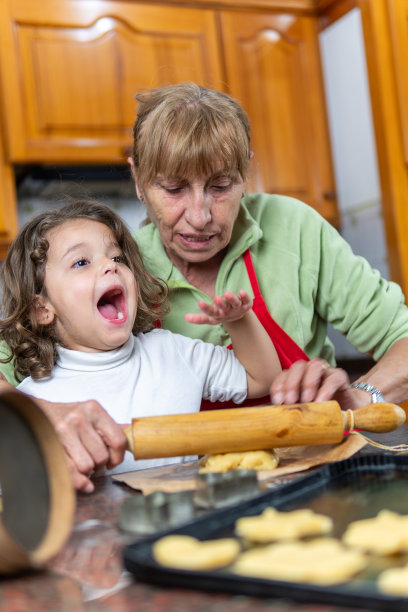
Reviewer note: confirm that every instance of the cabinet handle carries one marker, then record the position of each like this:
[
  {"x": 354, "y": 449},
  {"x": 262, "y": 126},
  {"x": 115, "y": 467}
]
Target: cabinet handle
[{"x": 329, "y": 195}]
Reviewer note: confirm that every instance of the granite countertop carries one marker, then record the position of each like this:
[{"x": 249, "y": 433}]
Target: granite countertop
[{"x": 88, "y": 574}]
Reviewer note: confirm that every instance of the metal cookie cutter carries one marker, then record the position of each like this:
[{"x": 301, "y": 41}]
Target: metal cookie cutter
[
  {"x": 156, "y": 511},
  {"x": 218, "y": 489}
]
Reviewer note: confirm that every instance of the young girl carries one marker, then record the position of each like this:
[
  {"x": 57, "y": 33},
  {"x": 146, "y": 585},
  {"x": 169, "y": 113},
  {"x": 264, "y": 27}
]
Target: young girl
[{"x": 78, "y": 313}]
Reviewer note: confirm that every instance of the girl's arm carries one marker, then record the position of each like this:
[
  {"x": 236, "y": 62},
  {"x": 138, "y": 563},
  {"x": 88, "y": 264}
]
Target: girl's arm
[{"x": 251, "y": 343}]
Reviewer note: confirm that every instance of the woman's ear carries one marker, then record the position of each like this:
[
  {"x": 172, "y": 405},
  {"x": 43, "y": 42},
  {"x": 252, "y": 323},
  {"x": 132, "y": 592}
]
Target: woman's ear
[
  {"x": 133, "y": 173},
  {"x": 44, "y": 312}
]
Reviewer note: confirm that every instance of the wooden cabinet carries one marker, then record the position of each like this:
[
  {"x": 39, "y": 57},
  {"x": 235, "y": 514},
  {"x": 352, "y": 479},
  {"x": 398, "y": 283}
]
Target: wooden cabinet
[
  {"x": 273, "y": 68},
  {"x": 385, "y": 27},
  {"x": 70, "y": 69},
  {"x": 8, "y": 209}
]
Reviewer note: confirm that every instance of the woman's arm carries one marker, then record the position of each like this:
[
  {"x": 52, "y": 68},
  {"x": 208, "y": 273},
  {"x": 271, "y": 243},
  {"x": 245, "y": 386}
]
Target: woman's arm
[
  {"x": 389, "y": 375},
  {"x": 252, "y": 345},
  {"x": 316, "y": 381},
  {"x": 90, "y": 437}
]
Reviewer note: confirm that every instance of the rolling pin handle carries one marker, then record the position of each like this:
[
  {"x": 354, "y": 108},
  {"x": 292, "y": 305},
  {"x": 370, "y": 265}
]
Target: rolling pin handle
[
  {"x": 129, "y": 435},
  {"x": 377, "y": 418}
]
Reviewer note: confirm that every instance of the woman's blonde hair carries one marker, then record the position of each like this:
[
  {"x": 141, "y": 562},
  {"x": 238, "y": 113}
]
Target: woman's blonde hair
[
  {"x": 22, "y": 277},
  {"x": 186, "y": 130}
]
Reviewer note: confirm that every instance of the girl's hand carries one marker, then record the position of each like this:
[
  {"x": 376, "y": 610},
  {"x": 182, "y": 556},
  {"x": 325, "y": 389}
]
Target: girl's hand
[{"x": 223, "y": 309}]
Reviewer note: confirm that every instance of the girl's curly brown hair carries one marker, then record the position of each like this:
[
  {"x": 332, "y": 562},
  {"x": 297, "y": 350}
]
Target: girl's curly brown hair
[{"x": 22, "y": 278}]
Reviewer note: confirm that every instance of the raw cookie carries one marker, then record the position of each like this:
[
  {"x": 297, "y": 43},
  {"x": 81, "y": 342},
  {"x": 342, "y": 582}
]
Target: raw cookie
[
  {"x": 273, "y": 525},
  {"x": 321, "y": 561},
  {"x": 246, "y": 460},
  {"x": 385, "y": 534},
  {"x": 186, "y": 552},
  {"x": 394, "y": 581}
]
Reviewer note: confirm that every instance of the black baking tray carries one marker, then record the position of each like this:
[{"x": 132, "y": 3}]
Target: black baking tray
[{"x": 348, "y": 490}]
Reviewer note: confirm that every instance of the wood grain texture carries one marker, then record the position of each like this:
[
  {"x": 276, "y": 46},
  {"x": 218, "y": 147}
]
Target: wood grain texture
[{"x": 257, "y": 428}]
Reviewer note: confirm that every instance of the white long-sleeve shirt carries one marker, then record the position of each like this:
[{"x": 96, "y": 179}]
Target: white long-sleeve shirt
[{"x": 155, "y": 373}]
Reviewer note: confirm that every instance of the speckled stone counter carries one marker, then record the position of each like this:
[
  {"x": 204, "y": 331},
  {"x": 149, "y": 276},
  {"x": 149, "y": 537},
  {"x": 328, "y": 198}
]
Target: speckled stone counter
[{"x": 88, "y": 573}]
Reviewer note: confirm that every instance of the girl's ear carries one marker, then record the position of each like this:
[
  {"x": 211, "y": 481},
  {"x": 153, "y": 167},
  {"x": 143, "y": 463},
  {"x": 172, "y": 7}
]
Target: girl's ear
[{"x": 43, "y": 311}]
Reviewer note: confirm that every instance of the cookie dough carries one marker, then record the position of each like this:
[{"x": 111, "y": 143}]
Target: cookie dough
[
  {"x": 249, "y": 460},
  {"x": 394, "y": 581},
  {"x": 385, "y": 534},
  {"x": 321, "y": 561},
  {"x": 273, "y": 525},
  {"x": 186, "y": 552}
]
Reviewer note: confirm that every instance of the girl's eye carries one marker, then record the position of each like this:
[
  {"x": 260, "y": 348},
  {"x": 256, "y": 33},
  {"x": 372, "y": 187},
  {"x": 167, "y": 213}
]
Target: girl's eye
[
  {"x": 80, "y": 263},
  {"x": 118, "y": 259}
]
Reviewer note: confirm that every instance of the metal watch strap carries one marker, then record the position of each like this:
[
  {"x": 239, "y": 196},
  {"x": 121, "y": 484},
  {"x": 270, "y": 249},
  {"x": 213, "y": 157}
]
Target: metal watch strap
[{"x": 376, "y": 395}]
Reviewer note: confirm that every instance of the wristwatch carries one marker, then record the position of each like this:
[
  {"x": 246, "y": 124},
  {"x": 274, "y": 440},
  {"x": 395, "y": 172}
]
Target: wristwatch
[{"x": 376, "y": 395}]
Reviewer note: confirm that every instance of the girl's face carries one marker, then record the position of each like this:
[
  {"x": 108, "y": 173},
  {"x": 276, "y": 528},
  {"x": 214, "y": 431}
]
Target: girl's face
[
  {"x": 195, "y": 217},
  {"x": 91, "y": 293}
]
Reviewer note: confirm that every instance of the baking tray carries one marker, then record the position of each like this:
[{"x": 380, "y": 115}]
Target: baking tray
[{"x": 348, "y": 490}]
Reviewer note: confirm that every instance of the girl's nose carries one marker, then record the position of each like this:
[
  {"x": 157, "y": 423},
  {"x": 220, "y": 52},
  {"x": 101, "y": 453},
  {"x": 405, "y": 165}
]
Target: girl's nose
[{"x": 109, "y": 266}]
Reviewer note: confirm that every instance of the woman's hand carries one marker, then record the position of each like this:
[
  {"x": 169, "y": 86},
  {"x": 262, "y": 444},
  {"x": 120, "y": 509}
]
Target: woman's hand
[
  {"x": 90, "y": 437},
  {"x": 223, "y": 309},
  {"x": 312, "y": 381}
]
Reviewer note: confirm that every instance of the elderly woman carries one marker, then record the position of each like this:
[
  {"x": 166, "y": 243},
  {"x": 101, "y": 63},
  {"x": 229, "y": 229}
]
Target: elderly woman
[{"x": 204, "y": 235}]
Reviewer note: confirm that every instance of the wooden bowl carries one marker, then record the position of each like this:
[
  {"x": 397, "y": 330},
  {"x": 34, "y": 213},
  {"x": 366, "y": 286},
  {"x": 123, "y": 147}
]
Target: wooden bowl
[{"x": 38, "y": 499}]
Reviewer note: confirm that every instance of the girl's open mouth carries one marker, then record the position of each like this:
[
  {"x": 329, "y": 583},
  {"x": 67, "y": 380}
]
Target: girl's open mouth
[{"x": 112, "y": 305}]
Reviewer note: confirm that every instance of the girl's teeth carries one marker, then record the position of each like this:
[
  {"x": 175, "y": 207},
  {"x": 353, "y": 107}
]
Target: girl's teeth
[{"x": 120, "y": 315}]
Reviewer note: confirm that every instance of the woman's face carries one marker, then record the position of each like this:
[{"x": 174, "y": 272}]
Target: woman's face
[{"x": 195, "y": 217}]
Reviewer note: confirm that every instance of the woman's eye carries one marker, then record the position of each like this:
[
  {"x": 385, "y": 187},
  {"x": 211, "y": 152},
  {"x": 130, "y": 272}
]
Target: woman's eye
[
  {"x": 173, "y": 190},
  {"x": 221, "y": 187},
  {"x": 81, "y": 262}
]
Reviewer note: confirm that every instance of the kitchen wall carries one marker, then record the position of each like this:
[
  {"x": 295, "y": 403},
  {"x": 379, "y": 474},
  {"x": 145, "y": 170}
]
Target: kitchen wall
[
  {"x": 353, "y": 147},
  {"x": 115, "y": 188}
]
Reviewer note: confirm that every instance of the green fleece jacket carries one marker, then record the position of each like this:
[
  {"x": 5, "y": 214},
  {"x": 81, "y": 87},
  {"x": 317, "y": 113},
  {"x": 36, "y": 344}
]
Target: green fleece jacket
[{"x": 307, "y": 274}]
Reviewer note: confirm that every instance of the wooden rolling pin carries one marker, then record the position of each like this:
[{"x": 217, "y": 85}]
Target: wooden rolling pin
[{"x": 257, "y": 428}]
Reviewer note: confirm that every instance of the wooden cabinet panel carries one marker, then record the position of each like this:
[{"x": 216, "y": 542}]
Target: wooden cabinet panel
[
  {"x": 273, "y": 68},
  {"x": 73, "y": 67},
  {"x": 385, "y": 38},
  {"x": 398, "y": 13},
  {"x": 8, "y": 208}
]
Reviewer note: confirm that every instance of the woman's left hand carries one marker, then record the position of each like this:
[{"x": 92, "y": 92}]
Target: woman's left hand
[
  {"x": 312, "y": 381},
  {"x": 223, "y": 309}
]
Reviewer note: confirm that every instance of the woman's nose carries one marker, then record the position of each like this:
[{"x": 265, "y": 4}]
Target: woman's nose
[{"x": 198, "y": 211}]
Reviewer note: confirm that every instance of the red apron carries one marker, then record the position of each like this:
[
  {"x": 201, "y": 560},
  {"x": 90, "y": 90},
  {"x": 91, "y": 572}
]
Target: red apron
[{"x": 287, "y": 349}]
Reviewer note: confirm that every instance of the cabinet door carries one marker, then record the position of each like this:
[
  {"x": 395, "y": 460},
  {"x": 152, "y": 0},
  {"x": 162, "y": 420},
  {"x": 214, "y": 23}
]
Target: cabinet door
[
  {"x": 385, "y": 26},
  {"x": 8, "y": 208},
  {"x": 398, "y": 12},
  {"x": 273, "y": 69},
  {"x": 71, "y": 69}
]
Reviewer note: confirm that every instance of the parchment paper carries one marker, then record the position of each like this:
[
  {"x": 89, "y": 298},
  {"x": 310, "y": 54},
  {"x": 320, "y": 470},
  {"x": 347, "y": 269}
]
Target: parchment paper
[{"x": 181, "y": 477}]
